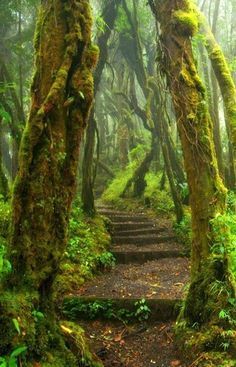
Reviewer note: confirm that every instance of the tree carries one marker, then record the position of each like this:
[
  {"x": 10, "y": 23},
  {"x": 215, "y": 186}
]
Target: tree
[
  {"x": 61, "y": 98},
  {"x": 109, "y": 15},
  {"x": 209, "y": 266},
  {"x": 227, "y": 87}
]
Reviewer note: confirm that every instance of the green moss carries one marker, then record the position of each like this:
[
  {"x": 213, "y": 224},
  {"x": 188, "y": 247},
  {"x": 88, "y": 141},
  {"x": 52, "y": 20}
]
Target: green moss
[
  {"x": 92, "y": 54},
  {"x": 187, "y": 21},
  {"x": 75, "y": 337},
  {"x": 158, "y": 200},
  {"x": 113, "y": 194},
  {"x": 84, "y": 251}
]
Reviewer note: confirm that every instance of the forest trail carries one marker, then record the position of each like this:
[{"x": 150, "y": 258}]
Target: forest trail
[{"x": 150, "y": 265}]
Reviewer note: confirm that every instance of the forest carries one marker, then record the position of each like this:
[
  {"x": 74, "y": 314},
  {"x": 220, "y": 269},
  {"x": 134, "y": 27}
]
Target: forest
[{"x": 117, "y": 183}]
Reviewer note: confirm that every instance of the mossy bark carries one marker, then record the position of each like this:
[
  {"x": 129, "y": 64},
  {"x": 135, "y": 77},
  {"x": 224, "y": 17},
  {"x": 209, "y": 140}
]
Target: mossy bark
[
  {"x": 87, "y": 194},
  {"x": 109, "y": 15},
  {"x": 207, "y": 193},
  {"x": 62, "y": 94},
  {"x": 213, "y": 103},
  {"x": 226, "y": 84}
]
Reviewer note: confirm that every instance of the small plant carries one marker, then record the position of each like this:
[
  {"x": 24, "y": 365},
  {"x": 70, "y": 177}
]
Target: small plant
[
  {"x": 106, "y": 260},
  {"x": 75, "y": 308},
  {"x": 142, "y": 310},
  {"x": 5, "y": 266},
  {"x": 38, "y": 315},
  {"x": 14, "y": 357},
  {"x": 183, "y": 231}
]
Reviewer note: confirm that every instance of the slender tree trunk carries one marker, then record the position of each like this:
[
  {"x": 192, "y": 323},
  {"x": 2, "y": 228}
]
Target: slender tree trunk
[
  {"x": 213, "y": 102},
  {"x": 174, "y": 192},
  {"x": 109, "y": 16},
  {"x": 46, "y": 181},
  {"x": 226, "y": 83},
  {"x": 87, "y": 195}
]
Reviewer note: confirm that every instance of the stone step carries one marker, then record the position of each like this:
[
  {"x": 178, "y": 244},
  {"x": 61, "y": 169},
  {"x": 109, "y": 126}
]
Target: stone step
[
  {"x": 139, "y": 231},
  {"x": 103, "y": 208},
  {"x": 160, "y": 309},
  {"x": 112, "y": 212},
  {"x": 117, "y": 226},
  {"x": 142, "y": 240},
  {"x": 126, "y": 218},
  {"x": 159, "y": 279},
  {"x": 141, "y": 257}
]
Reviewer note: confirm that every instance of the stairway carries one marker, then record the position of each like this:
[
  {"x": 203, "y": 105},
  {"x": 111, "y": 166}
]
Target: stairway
[{"x": 151, "y": 265}]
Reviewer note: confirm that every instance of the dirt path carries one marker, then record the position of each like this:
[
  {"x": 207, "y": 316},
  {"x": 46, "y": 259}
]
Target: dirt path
[{"x": 151, "y": 265}]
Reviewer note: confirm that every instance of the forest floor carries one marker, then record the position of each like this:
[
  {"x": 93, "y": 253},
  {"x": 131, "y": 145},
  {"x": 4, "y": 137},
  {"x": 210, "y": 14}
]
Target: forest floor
[
  {"x": 137, "y": 345},
  {"x": 151, "y": 266}
]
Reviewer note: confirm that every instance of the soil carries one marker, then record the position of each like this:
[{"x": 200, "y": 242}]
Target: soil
[
  {"x": 138, "y": 345},
  {"x": 162, "y": 278}
]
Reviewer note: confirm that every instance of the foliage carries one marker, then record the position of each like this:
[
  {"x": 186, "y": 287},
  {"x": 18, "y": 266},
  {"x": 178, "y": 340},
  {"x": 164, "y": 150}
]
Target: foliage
[
  {"x": 14, "y": 357},
  {"x": 5, "y": 266},
  {"x": 159, "y": 200},
  {"x": 87, "y": 250},
  {"x": 5, "y": 211},
  {"x": 183, "y": 230},
  {"x": 116, "y": 188},
  {"x": 75, "y": 308}
]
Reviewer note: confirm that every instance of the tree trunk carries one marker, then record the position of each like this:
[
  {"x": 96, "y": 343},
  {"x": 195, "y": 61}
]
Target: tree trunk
[
  {"x": 174, "y": 192},
  {"x": 87, "y": 195},
  {"x": 226, "y": 83},
  {"x": 213, "y": 102},
  {"x": 109, "y": 16},
  {"x": 178, "y": 23},
  {"x": 62, "y": 93}
]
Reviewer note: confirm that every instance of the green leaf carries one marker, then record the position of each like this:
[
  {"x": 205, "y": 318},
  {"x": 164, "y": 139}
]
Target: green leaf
[
  {"x": 18, "y": 351},
  {"x": 12, "y": 362},
  {"x": 38, "y": 315},
  {"x": 5, "y": 115},
  {"x": 3, "y": 362},
  {"x": 17, "y": 326}
]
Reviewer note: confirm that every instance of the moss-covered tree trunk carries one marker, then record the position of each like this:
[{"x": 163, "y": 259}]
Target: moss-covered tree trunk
[
  {"x": 61, "y": 97},
  {"x": 87, "y": 194},
  {"x": 109, "y": 15},
  {"x": 227, "y": 87},
  {"x": 178, "y": 22}
]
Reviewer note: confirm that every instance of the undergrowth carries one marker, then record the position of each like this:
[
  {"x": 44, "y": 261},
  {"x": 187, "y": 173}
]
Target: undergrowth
[
  {"x": 74, "y": 308},
  {"x": 87, "y": 251},
  {"x": 155, "y": 198},
  {"x": 214, "y": 343},
  {"x": 113, "y": 193}
]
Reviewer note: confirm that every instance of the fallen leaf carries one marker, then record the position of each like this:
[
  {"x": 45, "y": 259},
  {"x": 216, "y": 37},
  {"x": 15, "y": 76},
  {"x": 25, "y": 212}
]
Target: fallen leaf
[
  {"x": 175, "y": 363},
  {"x": 118, "y": 338}
]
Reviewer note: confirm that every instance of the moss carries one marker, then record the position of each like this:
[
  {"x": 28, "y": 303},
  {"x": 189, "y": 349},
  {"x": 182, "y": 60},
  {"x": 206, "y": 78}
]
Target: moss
[
  {"x": 45, "y": 183},
  {"x": 82, "y": 257},
  {"x": 18, "y": 306},
  {"x": 75, "y": 337},
  {"x": 187, "y": 21},
  {"x": 224, "y": 77},
  {"x": 212, "y": 346},
  {"x": 92, "y": 55}
]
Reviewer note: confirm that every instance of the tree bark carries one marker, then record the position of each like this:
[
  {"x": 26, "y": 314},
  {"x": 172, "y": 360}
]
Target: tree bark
[
  {"x": 62, "y": 94},
  {"x": 109, "y": 15},
  {"x": 207, "y": 193},
  {"x": 226, "y": 83}
]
